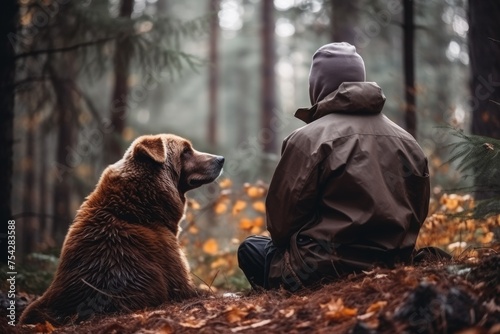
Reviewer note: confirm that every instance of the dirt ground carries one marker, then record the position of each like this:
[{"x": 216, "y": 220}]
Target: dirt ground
[{"x": 458, "y": 296}]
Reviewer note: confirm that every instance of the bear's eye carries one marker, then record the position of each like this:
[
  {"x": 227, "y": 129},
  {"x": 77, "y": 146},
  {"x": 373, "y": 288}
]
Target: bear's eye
[{"x": 186, "y": 151}]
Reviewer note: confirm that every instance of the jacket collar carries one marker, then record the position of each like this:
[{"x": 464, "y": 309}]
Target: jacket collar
[{"x": 350, "y": 97}]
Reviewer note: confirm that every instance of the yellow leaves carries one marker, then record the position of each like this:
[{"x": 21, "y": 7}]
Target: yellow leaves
[
  {"x": 336, "y": 311},
  {"x": 193, "y": 229},
  {"x": 220, "y": 208},
  {"x": 193, "y": 204},
  {"x": 238, "y": 207},
  {"x": 211, "y": 246},
  {"x": 259, "y": 206},
  {"x": 456, "y": 233},
  {"x": 486, "y": 238},
  {"x": 246, "y": 224},
  {"x": 225, "y": 183},
  {"x": 254, "y": 191},
  {"x": 253, "y": 225}
]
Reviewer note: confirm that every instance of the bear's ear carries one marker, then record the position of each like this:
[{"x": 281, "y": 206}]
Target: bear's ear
[{"x": 151, "y": 147}]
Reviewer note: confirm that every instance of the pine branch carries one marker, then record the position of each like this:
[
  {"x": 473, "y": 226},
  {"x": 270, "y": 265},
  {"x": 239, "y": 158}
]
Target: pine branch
[{"x": 64, "y": 49}]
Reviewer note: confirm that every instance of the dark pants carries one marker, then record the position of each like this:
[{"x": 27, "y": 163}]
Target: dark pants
[{"x": 254, "y": 258}]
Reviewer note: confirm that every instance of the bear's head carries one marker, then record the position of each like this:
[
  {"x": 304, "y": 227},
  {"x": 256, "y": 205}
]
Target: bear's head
[{"x": 150, "y": 181}]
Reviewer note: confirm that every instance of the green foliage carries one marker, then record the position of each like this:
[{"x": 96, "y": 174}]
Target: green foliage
[
  {"x": 478, "y": 157},
  {"x": 34, "y": 275}
]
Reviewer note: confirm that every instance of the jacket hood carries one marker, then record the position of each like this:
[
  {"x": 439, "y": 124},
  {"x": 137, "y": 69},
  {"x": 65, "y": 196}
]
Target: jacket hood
[
  {"x": 333, "y": 64},
  {"x": 350, "y": 97}
]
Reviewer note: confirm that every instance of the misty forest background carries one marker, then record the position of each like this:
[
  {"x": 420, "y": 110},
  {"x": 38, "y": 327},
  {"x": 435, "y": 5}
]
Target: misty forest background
[{"x": 81, "y": 79}]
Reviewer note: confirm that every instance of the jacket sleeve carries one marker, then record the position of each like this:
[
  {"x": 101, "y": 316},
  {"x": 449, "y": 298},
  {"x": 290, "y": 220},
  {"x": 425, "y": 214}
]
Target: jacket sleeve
[{"x": 293, "y": 194}]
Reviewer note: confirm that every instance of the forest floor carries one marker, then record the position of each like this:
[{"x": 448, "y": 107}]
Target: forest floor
[{"x": 432, "y": 297}]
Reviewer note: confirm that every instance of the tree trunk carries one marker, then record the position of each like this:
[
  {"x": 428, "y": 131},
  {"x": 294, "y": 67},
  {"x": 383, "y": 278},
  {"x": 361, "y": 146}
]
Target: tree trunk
[
  {"x": 29, "y": 223},
  {"x": 46, "y": 223},
  {"x": 9, "y": 16},
  {"x": 484, "y": 50},
  {"x": 409, "y": 67},
  {"x": 343, "y": 20},
  {"x": 268, "y": 96},
  {"x": 66, "y": 157},
  {"x": 123, "y": 52},
  {"x": 213, "y": 75}
]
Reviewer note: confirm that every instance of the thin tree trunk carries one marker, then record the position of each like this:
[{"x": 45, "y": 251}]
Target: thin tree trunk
[
  {"x": 123, "y": 52},
  {"x": 484, "y": 50},
  {"x": 30, "y": 228},
  {"x": 66, "y": 158},
  {"x": 45, "y": 226},
  {"x": 343, "y": 20},
  {"x": 213, "y": 75},
  {"x": 409, "y": 67},
  {"x": 9, "y": 16},
  {"x": 268, "y": 96}
]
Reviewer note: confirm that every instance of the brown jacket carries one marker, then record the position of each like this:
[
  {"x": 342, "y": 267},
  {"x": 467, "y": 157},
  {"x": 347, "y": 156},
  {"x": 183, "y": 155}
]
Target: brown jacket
[{"x": 351, "y": 190}]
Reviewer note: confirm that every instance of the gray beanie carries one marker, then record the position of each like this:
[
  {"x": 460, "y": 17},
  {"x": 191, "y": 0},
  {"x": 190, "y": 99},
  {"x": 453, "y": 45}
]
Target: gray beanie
[{"x": 332, "y": 65}]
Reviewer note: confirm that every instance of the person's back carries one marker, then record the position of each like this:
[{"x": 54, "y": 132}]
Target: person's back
[{"x": 351, "y": 189}]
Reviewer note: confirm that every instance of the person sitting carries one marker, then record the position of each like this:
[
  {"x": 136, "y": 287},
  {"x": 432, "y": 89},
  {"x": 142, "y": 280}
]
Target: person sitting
[{"x": 351, "y": 189}]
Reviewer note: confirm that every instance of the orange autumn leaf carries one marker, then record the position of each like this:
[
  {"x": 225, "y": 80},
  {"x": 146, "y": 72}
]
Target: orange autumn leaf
[
  {"x": 193, "y": 229},
  {"x": 246, "y": 224},
  {"x": 220, "y": 262},
  {"x": 259, "y": 206},
  {"x": 255, "y": 230},
  {"x": 193, "y": 204},
  {"x": 235, "y": 314},
  {"x": 377, "y": 306},
  {"x": 337, "y": 310},
  {"x": 255, "y": 192},
  {"x": 239, "y": 206},
  {"x": 44, "y": 328},
  {"x": 211, "y": 246},
  {"x": 258, "y": 221},
  {"x": 486, "y": 238},
  {"x": 220, "y": 208},
  {"x": 226, "y": 183}
]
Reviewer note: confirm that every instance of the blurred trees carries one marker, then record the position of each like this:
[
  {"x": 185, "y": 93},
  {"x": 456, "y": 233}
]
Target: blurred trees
[
  {"x": 344, "y": 20},
  {"x": 484, "y": 49},
  {"x": 118, "y": 112},
  {"x": 62, "y": 53},
  {"x": 9, "y": 17},
  {"x": 69, "y": 70},
  {"x": 409, "y": 66},
  {"x": 268, "y": 84},
  {"x": 213, "y": 72}
]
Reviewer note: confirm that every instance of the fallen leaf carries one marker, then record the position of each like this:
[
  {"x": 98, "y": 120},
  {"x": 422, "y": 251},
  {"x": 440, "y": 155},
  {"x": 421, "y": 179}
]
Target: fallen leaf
[
  {"x": 193, "y": 204},
  {"x": 255, "y": 192},
  {"x": 258, "y": 221},
  {"x": 235, "y": 314},
  {"x": 193, "y": 229},
  {"x": 377, "y": 306},
  {"x": 211, "y": 246},
  {"x": 226, "y": 183},
  {"x": 220, "y": 208},
  {"x": 44, "y": 328},
  {"x": 259, "y": 206},
  {"x": 255, "y": 325},
  {"x": 239, "y": 206},
  {"x": 246, "y": 224},
  {"x": 192, "y": 322},
  {"x": 287, "y": 313},
  {"x": 337, "y": 310}
]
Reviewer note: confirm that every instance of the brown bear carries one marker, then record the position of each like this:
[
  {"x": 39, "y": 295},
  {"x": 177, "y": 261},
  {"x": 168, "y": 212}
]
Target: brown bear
[{"x": 122, "y": 253}]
